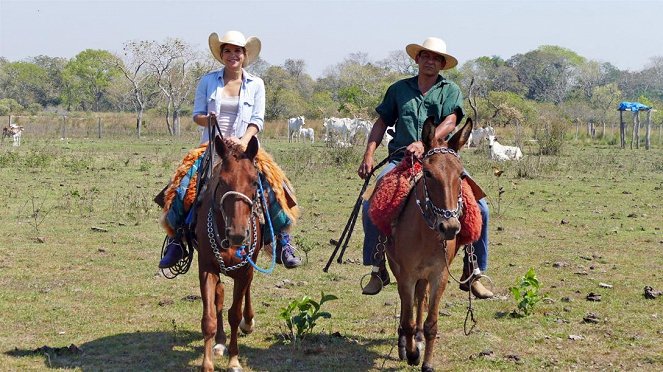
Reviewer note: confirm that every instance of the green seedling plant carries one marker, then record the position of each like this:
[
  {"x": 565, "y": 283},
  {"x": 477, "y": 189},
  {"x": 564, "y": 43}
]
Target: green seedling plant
[
  {"x": 526, "y": 292},
  {"x": 301, "y": 316}
]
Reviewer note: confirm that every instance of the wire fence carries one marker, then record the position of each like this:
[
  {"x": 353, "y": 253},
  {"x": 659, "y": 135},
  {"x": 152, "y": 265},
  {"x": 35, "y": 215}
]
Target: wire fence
[{"x": 104, "y": 125}]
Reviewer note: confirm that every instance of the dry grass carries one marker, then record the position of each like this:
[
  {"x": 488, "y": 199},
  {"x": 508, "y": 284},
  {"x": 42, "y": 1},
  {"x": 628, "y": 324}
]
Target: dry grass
[{"x": 589, "y": 216}]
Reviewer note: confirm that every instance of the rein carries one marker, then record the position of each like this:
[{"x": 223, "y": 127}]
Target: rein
[
  {"x": 215, "y": 238},
  {"x": 429, "y": 211},
  {"x": 349, "y": 226}
]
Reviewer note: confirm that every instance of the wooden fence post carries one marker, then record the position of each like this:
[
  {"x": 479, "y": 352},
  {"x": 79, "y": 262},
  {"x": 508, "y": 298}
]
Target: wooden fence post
[
  {"x": 63, "y": 134},
  {"x": 648, "y": 132},
  {"x": 99, "y": 127},
  {"x": 622, "y": 130}
]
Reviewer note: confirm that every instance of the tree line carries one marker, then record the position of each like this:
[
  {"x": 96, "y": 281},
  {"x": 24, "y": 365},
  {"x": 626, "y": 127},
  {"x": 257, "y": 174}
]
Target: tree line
[{"x": 539, "y": 89}]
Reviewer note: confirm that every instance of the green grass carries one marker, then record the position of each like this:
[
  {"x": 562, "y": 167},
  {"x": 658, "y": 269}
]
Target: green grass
[{"x": 595, "y": 211}]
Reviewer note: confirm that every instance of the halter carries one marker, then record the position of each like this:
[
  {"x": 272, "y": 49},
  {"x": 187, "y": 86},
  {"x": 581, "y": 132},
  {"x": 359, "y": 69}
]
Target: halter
[
  {"x": 430, "y": 212},
  {"x": 214, "y": 236}
]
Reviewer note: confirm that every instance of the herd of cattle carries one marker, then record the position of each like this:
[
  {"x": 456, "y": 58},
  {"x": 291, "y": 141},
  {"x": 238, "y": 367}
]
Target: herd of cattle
[
  {"x": 346, "y": 132},
  {"x": 13, "y": 131}
]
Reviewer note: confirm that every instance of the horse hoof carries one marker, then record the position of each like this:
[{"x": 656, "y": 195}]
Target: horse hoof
[
  {"x": 247, "y": 329},
  {"x": 219, "y": 350},
  {"x": 235, "y": 369},
  {"x": 414, "y": 358},
  {"x": 427, "y": 368},
  {"x": 401, "y": 345}
]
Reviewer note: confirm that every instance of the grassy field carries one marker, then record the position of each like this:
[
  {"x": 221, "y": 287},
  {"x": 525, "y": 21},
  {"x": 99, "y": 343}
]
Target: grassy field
[{"x": 80, "y": 245}]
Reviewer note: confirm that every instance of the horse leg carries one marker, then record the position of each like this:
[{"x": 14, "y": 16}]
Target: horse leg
[
  {"x": 437, "y": 287},
  {"x": 407, "y": 329},
  {"x": 421, "y": 290},
  {"x": 248, "y": 322},
  {"x": 234, "y": 318},
  {"x": 220, "y": 339},
  {"x": 208, "y": 282}
]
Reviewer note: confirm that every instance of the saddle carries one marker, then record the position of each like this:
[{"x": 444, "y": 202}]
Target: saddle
[
  {"x": 179, "y": 196},
  {"x": 393, "y": 189}
]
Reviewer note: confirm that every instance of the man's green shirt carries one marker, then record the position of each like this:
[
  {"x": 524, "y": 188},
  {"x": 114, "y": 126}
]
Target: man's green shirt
[{"x": 407, "y": 109}]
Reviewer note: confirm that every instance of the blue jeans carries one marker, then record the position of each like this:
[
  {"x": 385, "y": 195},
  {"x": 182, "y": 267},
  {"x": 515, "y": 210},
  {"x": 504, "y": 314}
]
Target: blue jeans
[{"x": 371, "y": 232}]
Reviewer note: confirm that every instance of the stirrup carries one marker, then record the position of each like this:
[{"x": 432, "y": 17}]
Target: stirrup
[{"x": 183, "y": 264}]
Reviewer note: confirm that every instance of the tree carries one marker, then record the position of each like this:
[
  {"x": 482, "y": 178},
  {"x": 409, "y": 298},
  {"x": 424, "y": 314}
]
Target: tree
[
  {"x": 548, "y": 73},
  {"x": 135, "y": 69},
  {"x": 281, "y": 95},
  {"x": 24, "y": 82},
  {"x": 400, "y": 63},
  {"x": 87, "y": 76},
  {"x": 54, "y": 67},
  {"x": 172, "y": 62}
]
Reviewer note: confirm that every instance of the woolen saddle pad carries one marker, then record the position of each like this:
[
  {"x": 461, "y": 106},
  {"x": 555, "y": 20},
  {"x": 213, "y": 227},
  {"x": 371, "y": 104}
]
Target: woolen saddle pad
[{"x": 392, "y": 190}]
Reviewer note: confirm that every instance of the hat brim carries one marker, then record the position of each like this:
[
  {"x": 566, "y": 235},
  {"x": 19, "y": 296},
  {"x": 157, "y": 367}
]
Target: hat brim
[
  {"x": 252, "y": 47},
  {"x": 414, "y": 49}
]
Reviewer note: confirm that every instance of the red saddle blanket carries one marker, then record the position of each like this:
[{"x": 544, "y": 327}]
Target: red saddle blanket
[{"x": 392, "y": 190}]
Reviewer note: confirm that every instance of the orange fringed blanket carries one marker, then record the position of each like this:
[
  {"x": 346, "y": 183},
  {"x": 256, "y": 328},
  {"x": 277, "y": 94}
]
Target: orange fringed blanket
[
  {"x": 391, "y": 193},
  {"x": 273, "y": 173}
]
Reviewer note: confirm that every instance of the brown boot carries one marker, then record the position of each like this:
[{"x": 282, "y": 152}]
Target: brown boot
[
  {"x": 478, "y": 290},
  {"x": 379, "y": 278}
]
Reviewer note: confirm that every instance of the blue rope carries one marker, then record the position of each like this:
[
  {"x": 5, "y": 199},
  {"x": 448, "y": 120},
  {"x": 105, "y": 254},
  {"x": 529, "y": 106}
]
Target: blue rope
[{"x": 271, "y": 231}]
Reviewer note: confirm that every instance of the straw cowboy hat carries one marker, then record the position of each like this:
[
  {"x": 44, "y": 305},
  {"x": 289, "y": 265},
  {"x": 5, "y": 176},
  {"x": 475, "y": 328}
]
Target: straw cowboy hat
[
  {"x": 252, "y": 45},
  {"x": 435, "y": 45}
]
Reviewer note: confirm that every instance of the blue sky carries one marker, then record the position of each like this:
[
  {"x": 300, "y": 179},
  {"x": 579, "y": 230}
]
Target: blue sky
[{"x": 324, "y": 32}]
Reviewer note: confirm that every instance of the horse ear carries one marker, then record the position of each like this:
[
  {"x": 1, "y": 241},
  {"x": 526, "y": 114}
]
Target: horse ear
[
  {"x": 252, "y": 148},
  {"x": 428, "y": 133},
  {"x": 460, "y": 137},
  {"x": 219, "y": 146}
]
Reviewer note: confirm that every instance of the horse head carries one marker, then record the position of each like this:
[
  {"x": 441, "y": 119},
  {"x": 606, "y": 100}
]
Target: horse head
[
  {"x": 442, "y": 170},
  {"x": 236, "y": 191}
]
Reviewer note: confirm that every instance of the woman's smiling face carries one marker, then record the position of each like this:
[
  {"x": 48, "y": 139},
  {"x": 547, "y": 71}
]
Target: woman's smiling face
[{"x": 233, "y": 55}]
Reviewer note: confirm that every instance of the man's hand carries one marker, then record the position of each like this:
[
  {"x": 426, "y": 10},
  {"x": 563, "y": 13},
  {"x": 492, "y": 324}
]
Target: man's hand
[
  {"x": 416, "y": 149},
  {"x": 365, "y": 167}
]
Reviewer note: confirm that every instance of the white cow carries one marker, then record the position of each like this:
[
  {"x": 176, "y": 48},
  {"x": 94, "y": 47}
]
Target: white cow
[
  {"x": 336, "y": 130},
  {"x": 478, "y": 135},
  {"x": 307, "y": 133},
  {"x": 362, "y": 128},
  {"x": 14, "y": 131},
  {"x": 500, "y": 152},
  {"x": 294, "y": 124}
]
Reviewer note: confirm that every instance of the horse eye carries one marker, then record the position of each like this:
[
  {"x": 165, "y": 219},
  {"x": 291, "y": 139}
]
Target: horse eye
[{"x": 427, "y": 174}]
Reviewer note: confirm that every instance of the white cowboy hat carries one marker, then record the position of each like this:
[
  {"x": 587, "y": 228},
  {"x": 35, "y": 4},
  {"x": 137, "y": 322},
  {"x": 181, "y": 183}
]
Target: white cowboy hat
[
  {"x": 435, "y": 45},
  {"x": 252, "y": 45}
]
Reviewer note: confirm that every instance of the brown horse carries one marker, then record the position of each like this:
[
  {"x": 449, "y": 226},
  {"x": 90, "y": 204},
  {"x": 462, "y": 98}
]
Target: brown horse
[
  {"x": 228, "y": 232},
  {"x": 424, "y": 242}
]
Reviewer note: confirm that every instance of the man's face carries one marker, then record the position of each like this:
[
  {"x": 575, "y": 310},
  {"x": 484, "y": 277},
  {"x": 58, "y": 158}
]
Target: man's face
[{"x": 430, "y": 63}]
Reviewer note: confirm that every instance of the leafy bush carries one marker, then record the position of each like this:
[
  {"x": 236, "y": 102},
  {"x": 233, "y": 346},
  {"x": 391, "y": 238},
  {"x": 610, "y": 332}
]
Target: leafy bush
[
  {"x": 526, "y": 292},
  {"x": 302, "y": 323},
  {"x": 34, "y": 108}
]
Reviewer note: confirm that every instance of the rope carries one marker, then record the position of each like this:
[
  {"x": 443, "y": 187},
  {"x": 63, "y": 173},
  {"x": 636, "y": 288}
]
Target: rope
[{"x": 271, "y": 231}]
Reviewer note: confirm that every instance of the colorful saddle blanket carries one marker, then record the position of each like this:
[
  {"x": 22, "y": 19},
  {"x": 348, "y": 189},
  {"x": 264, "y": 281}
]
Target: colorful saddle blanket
[
  {"x": 392, "y": 190},
  {"x": 180, "y": 194}
]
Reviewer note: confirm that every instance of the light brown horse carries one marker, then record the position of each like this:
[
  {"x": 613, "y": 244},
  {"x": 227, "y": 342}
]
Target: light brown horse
[
  {"x": 227, "y": 220},
  {"x": 424, "y": 242}
]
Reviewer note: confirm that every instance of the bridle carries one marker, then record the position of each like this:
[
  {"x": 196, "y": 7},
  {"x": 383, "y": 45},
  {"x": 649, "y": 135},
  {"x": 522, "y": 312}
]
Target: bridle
[
  {"x": 429, "y": 211},
  {"x": 215, "y": 240}
]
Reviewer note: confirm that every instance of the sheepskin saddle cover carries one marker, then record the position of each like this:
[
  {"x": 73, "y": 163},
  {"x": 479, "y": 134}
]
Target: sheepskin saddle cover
[{"x": 392, "y": 190}]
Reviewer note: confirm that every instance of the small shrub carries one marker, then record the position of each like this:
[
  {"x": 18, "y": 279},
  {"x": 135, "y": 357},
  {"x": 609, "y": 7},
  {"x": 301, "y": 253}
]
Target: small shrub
[
  {"x": 302, "y": 323},
  {"x": 526, "y": 292},
  {"x": 34, "y": 108},
  {"x": 37, "y": 159}
]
